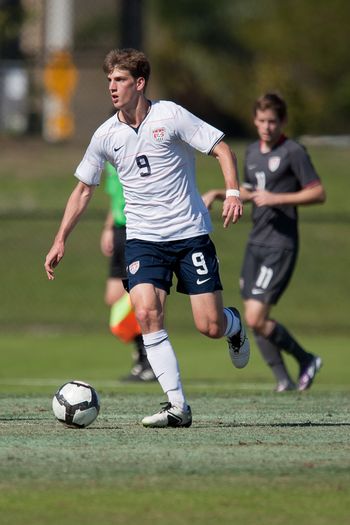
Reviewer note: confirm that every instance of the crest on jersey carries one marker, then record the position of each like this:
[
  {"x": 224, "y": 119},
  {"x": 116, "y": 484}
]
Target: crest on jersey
[
  {"x": 133, "y": 267},
  {"x": 159, "y": 134},
  {"x": 274, "y": 163}
]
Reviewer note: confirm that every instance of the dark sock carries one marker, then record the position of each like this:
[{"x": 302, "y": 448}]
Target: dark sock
[
  {"x": 273, "y": 358},
  {"x": 140, "y": 348},
  {"x": 283, "y": 339}
]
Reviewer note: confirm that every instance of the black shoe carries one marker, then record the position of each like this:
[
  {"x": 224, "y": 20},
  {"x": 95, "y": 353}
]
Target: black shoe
[
  {"x": 285, "y": 386},
  {"x": 141, "y": 372}
]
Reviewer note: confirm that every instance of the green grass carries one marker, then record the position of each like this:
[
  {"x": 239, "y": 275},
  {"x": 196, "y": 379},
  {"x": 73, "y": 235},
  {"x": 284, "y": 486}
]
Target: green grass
[
  {"x": 250, "y": 457},
  {"x": 42, "y": 175},
  {"x": 199, "y": 500},
  {"x": 38, "y": 363},
  {"x": 250, "y": 454}
]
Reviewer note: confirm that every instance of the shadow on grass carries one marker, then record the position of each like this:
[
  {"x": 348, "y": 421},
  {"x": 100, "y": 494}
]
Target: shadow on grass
[
  {"x": 303, "y": 424},
  {"x": 42, "y": 419},
  {"x": 202, "y": 425}
]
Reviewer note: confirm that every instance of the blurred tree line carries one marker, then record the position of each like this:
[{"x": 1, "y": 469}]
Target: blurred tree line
[
  {"x": 217, "y": 57},
  {"x": 11, "y": 19}
]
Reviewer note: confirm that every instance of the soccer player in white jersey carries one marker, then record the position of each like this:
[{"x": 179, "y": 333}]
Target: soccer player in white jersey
[
  {"x": 278, "y": 177},
  {"x": 151, "y": 144}
]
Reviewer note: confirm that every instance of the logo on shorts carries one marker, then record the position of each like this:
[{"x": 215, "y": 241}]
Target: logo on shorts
[
  {"x": 202, "y": 281},
  {"x": 133, "y": 267},
  {"x": 159, "y": 134},
  {"x": 274, "y": 163}
]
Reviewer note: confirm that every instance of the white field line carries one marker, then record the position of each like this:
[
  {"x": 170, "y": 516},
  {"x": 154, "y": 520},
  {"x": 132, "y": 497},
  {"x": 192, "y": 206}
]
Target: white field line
[
  {"x": 42, "y": 382},
  {"x": 98, "y": 383}
]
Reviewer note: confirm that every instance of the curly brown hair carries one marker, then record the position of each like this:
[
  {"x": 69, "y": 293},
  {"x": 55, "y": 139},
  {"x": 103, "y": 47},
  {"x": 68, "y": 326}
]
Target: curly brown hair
[{"x": 130, "y": 60}]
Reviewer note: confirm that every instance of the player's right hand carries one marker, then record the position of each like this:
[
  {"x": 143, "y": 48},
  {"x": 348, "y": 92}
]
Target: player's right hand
[
  {"x": 52, "y": 259},
  {"x": 232, "y": 210}
]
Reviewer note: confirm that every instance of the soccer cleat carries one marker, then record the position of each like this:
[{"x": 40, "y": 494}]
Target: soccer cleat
[
  {"x": 285, "y": 386},
  {"x": 146, "y": 375},
  {"x": 308, "y": 373},
  {"x": 238, "y": 344},
  {"x": 141, "y": 372},
  {"x": 169, "y": 416}
]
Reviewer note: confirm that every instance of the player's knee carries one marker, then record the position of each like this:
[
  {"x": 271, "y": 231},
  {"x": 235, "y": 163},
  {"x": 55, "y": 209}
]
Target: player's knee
[
  {"x": 142, "y": 315},
  {"x": 148, "y": 317},
  {"x": 254, "y": 322}
]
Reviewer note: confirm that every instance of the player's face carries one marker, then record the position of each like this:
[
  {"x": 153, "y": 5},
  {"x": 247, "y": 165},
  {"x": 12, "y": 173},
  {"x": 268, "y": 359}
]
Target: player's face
[
  {"x": 268, "y": 125},
  {"x": 124, "y": 89}
]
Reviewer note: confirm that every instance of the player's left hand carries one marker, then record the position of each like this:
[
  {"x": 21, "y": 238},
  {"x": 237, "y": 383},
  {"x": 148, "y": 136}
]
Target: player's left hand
[
  {"x": 209, "y": 197},
  {"x": 232, "y": 210},
  {"x": 263, "y": 198}
]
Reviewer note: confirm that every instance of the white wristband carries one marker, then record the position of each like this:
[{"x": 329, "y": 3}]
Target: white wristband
[{"x": 232, "y": 193}]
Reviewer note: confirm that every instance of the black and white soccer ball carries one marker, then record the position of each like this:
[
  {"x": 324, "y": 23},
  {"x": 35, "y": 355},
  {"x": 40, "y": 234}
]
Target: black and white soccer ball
[{"x": 76, "y": 404}]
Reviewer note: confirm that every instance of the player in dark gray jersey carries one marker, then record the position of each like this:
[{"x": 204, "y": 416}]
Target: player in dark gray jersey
[{"x": 278, "y": 176}]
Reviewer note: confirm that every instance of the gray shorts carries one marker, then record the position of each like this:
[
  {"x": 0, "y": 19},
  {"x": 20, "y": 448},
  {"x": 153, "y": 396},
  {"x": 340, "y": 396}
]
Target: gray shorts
[{"x": 266, "y": 272}]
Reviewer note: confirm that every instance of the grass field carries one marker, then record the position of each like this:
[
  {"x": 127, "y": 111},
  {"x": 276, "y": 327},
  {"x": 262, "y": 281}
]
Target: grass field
[{"x": 250, "y": 457}]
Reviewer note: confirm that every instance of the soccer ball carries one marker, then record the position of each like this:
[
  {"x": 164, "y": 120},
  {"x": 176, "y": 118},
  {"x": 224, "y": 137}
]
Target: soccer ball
[{"x": 76, "y": 404}]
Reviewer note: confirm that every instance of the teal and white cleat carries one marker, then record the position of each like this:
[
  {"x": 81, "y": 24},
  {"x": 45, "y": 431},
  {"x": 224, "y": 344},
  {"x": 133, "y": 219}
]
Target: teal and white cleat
[{"x": 238, "y": 344}]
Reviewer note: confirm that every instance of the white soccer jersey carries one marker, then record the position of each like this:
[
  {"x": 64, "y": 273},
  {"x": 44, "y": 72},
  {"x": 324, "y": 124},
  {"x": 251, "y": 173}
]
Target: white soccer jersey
[{"x": 156, "y": 167}]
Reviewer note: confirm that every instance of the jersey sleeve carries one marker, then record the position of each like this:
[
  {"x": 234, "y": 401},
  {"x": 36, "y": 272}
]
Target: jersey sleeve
[
  {"x": 245, "y": 169},
  {"x": 195, "y": 132},
  {"x": 302, "y": 166},
  {"x": 90, "y": 168}
]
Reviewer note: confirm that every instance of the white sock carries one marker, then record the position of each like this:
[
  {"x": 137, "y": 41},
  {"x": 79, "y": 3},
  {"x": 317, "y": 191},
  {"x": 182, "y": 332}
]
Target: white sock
[
  {"x": 233, "y": 323},
  {"x": 163, "y": 361}
]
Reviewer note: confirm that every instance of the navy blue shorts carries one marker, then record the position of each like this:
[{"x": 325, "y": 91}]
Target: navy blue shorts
[{"x": 193, "y": 261}]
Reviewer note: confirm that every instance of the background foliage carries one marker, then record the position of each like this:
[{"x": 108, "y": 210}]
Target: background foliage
[
  {"x": 217, "y": 57},
  {"x": 213, "y": 57}
]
